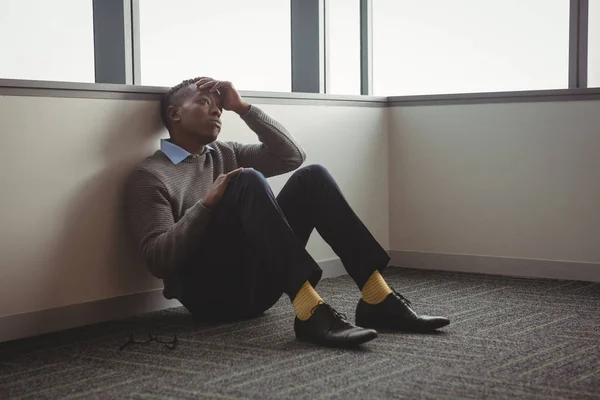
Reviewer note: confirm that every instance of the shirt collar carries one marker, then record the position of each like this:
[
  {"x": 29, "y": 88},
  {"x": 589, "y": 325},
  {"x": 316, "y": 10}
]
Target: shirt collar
[{"x": 175, "y": 153}]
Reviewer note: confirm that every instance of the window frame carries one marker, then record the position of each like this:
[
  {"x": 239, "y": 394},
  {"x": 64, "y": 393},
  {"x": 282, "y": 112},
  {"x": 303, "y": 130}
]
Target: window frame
[{"x": 121, "y": 75}]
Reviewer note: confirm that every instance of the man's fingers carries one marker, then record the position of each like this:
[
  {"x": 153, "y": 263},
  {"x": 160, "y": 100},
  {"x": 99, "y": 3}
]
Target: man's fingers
[
  {"x": 202, "y": 79},
  {"x": 215, "y": 86},
  {"x": 206, "y": 85},
  {"x": 234, "y": 173},
  {"x": 201, "y": 83}
]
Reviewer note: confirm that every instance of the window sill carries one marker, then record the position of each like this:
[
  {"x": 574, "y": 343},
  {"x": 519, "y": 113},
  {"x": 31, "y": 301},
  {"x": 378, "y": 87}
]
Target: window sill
[{"x": 16, "y": 87}]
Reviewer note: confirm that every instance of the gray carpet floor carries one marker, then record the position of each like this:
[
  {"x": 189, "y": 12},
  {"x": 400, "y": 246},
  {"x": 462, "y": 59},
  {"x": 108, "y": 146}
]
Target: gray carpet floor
[{"x": 509, "y": 338}]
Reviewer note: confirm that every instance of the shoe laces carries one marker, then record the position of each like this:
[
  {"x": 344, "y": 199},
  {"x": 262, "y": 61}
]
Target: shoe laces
[
  {"x": 341, "y": 318},
  {"x": 400, "y": 297}
]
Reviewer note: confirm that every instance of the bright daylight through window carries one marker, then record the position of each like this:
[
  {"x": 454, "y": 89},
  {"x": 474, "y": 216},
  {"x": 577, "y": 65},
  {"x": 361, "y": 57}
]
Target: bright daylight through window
[
  {"x": 461, "y": 46},
  {"x": 246, "y": 42},
  {"x": 47, "y": 40},
  {"x": 344, "y": 46},
  {"x": 594, "y": 44}
]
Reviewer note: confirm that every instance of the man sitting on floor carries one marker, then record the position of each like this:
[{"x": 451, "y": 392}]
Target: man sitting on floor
[{"x": 208, "y": 224}]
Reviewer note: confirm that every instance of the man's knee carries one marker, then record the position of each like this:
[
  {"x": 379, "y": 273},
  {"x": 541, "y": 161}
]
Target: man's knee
[
  {"x": 315, "y": 173},
  {"x": 251, "y": 177},
  {"x": 317, "y": 169},
  {"x": 248, "y": 182},
  {"x": 314, "y": 170}
]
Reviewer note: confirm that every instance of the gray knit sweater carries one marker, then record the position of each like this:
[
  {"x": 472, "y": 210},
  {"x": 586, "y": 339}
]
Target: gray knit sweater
[{"x": 164, "y": 200}]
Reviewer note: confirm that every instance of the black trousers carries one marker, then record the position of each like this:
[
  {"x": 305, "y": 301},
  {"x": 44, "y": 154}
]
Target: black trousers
[{"x": 253, "y": 249}]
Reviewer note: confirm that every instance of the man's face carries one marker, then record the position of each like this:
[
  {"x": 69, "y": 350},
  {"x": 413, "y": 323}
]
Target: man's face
[{"x": 199, "y": 114}]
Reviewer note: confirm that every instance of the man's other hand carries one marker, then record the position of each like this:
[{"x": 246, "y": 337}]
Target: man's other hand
[
  {"x": 230, "y": 98},
  {"x": 218, "y": 188}
]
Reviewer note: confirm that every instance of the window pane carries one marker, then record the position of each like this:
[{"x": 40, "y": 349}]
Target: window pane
[
  {"x": 246, "y": 42},
  {"x": 461, "y": 46},
  {"x": 594, "y": 44},
  {"x": 47, "y": 40},
  {"x": 344, "y": 46}
]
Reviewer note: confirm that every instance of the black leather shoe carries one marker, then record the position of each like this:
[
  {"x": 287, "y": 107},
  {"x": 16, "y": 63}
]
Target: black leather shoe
[
  {"x": 327, "y": 327},
  {"x": 395, "y": 313}
]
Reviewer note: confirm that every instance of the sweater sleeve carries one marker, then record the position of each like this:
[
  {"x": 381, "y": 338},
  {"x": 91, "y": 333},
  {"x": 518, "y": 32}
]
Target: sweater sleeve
[
  {"x": 278, "y": 151},
  {"x": 164, "y": 243}
]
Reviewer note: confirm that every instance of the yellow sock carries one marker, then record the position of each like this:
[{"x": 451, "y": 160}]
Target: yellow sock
[
  {"x": 375, "y": 290},
  {"x": 305, "y": 301}
]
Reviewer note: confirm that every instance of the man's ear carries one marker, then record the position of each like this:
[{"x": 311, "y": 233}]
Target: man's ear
[{"x": 173, "y": 113}]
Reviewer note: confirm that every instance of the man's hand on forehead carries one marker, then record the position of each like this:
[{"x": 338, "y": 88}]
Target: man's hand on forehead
[
  {"x": 201, "y": 80},
  {"x": 230, "y": 98},
  {"x": 205, "y": 83}
]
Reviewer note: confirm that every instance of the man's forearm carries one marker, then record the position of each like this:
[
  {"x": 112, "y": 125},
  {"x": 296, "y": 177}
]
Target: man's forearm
[
  {"x": 273, "y": 135},
  {"x": 242, "y": 109},
  {"x": 165, "y": 253}
]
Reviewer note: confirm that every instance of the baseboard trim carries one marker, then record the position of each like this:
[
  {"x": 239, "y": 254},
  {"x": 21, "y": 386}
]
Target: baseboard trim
[
  {"x": 56, "y": 319},
  {"x": 60, "y": 318},
  {"x": 529, "y": 268}
]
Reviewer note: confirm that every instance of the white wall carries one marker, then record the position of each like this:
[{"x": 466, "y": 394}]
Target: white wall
[
  {"x": 503, "y": 180},
  {"x": 63, "y": 165},
  {"x": 500, "y": 180}
]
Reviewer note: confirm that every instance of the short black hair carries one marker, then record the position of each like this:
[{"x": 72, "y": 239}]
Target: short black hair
[{"x": 173, "y": 97}]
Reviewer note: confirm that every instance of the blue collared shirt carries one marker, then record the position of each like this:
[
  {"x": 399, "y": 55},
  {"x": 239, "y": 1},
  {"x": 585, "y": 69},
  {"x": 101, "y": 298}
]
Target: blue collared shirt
[{"x": 175, "y": 153}]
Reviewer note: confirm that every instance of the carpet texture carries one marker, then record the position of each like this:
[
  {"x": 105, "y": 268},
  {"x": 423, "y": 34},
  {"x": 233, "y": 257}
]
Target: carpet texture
[{"x": 508, "y": 338}]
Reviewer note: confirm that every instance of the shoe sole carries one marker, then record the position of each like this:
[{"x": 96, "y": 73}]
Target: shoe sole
[
  {"x": 343, "y": 345},
  {"x": 382, "y": 327}
]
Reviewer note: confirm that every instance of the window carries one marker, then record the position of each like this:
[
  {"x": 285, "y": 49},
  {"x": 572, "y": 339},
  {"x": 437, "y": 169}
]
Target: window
[
  {"x": 47, "y": 40},
  {"x": 344, "y": 46},
  {"x": 594, "y": 44},
  {"x": 246, "y": 42},
  {"x": 461, "y": 46}
]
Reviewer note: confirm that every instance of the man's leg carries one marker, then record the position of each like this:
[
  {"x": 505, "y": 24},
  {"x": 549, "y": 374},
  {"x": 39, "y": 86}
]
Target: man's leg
[
  {"x": 255, "y": 251},
  {"x": 248, "y": 252},
  {"x": 312, "y": 199}
]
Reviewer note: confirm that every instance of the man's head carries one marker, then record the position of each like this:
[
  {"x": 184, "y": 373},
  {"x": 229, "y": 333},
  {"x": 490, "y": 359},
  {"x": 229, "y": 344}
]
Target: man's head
[{"x": 191, "y": 115}]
